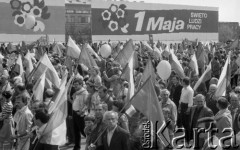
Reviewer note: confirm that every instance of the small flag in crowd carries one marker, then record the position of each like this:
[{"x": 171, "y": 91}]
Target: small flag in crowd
[
  {"x": 72, "y": 49},
  {"x": 51, "y": 73},
  {"x": 125, "y": 54},
  {"x": 205, "y": 76},
  {"x": 224, "y": 79}
]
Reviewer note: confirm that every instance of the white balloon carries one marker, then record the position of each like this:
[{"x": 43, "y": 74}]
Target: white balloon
[
  {"x": 164, "y": 69},
  {"x": 105, "y": 50},
  {"x": 29, "y": 21}
]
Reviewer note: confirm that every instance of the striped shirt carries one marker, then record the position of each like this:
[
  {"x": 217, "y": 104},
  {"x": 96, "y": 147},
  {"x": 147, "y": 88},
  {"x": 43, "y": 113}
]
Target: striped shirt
[{"x": 7, "y": 109}]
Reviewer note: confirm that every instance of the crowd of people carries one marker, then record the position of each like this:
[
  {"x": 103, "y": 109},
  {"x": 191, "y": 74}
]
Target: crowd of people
[{"x": 98, "y": 99}]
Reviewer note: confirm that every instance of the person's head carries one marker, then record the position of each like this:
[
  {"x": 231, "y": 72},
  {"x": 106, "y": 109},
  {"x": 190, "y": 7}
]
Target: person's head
[
  {"x": 78, "y": 83},
  {"x": 213, "y": 81},
  {"x": 22, "y": 100},
  {"x": 166, "y": 113},
  {"x": 89, "y": 120},
  {"x": 49, "y": 93},
  {"x": 118, "y": 106},
  {"x": 162, "y": 85},
  {"x": 165, "y": 95},
  {"x": 222, "y": 103},
  {"x": 41, "y": 117},
  {"x": 95, "y": 71},
  {"x": 111, "y": 119},
  {"x": 6, "y": 95},
  {"x": 204, "y": 124},
  {"x": 200, "y": 100},
  {"x": 110, "y": 91},
  {"x": 186, "y": 82},
  {"x": 237, "y": 90},
  {"x": 212, "y": 88},
  {"x": 234, "y": 100},
  {"x": 99, "y": 111},
  {"x": 19, "y": 88},
  {"x": 102, "y": 92},
  {"x": 175, "y": 80}
]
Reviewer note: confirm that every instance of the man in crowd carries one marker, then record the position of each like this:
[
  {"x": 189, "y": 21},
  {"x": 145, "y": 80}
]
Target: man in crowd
[
  {"x": 186, "y": 102},
  {"x": 23, "y": 119},
  {"x": 166, "y": 102},
  {"x": 79, "y": 109},
  {"x": 105, "y": 97},
  {"x": 115, "y": 137},
  {"x": 200, "y": 110}
]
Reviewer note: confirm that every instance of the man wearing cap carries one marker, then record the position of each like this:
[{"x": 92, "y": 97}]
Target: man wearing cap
[{"x": 78, "y": 105}]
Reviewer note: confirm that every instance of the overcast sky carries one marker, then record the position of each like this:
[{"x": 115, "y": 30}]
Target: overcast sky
[{"x": 229, "y": 10}]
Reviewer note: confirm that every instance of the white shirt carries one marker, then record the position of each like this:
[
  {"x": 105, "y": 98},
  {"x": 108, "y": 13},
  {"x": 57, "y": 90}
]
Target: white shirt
[
  {"x": 187, "y": 96},
  {"x": 109, "y": 135}
]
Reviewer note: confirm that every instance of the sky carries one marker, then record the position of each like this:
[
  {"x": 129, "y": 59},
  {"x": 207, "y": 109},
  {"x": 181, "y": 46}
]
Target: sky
[{"x": 229, "y": 10}]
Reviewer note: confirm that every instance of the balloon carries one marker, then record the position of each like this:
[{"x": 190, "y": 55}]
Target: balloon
[
  {"x": 29, "y": 21},
  {"x": 105, "y": 50},
  {"x": 164, "y": 69}
]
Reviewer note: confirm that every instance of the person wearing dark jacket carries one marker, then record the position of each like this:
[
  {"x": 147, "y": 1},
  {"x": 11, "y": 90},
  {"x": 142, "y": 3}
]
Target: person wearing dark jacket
[{"x": 115, "y": 137}]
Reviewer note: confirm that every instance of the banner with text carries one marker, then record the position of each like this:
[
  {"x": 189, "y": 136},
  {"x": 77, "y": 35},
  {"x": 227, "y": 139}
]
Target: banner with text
[{"x": 118, "y": 18}]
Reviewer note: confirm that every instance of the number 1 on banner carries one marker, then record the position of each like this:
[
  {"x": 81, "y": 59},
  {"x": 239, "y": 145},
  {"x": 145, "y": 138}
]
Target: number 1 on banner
[{"x": 140, "y": 15}]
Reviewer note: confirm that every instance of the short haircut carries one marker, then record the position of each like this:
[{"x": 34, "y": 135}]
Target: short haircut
[
  {"x": 79, "y": 81},
  {"x": 107, "y": 113},
  {"x": 201, "y": 96},
  {"x": 103, "y": 88},
  {"x": 165, "y": 90},
  {"x": 222, "y": 102},
  {"x": 89, "y": 118},
  {"x": 186, "y": 80},
  {"x": 42, "y": 115},
  {"x": 24, "y": 97}
]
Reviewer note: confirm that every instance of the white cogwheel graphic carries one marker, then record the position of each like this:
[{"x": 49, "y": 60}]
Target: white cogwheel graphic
[
  {"x": 106, "y": 15},
  {"x": 120, "y": 13},
  {"x": 113, "y": 26}
]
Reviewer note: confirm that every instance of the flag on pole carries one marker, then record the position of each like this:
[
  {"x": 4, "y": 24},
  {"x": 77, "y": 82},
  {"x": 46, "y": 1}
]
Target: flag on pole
[
  {"x": 205, "y": 76},
  {"x": 125, "y": 54},
  {"x": 72, "y": 49},
  {"x": 38, "y": 88},
  {"x": 28, "y": 63},
  {"x": 51, "y": 73},
  {"x": 176, "y": 65},
  {"x": 194, "y": 64},
  {"x": 146, "y": 101},
  {"x": 224, "y": 79},
  {"x": 128, "y": 75},
  {"x": 55, "y": 130},
  {"x": 87, "y": 59},
  {"x": 18, "y": 68},
  {"x": 148, "y": 71},
  {"x": 92, "y": 52}
]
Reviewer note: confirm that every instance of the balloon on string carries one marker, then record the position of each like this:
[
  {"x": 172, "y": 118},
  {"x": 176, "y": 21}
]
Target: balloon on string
[
  {"x": 105, "y": 50},
  {"x": 164, "y": 69},
  {"x": 29, "y": 21}
]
